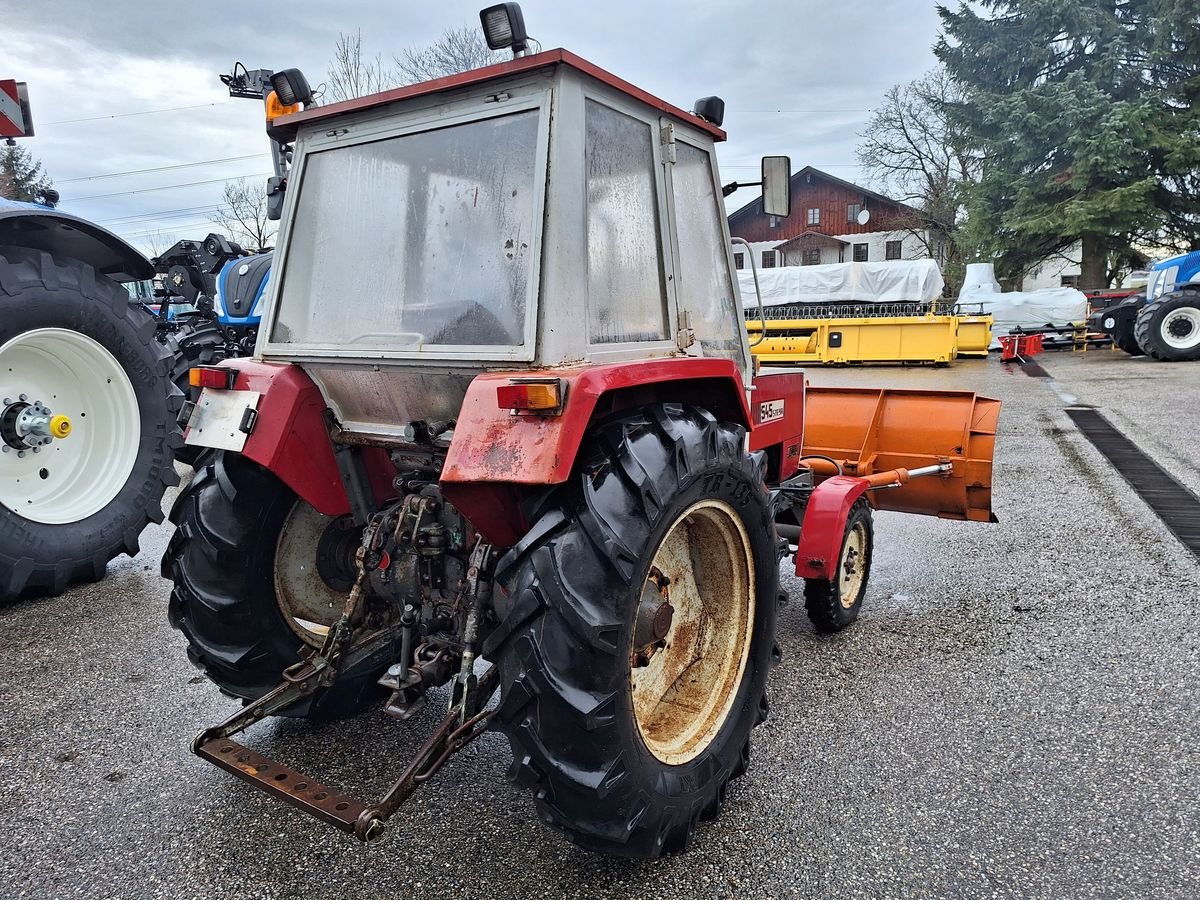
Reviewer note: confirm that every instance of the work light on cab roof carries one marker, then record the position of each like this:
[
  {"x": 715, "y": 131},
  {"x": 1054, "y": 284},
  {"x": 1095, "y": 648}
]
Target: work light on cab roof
[
  {"x": 504, "y": 28},
  {"x": 502, "y": 407}
]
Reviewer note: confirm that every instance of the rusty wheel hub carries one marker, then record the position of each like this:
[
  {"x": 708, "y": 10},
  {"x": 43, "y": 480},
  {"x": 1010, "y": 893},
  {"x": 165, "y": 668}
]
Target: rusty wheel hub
[
  {"x": 314, "y": 569},
  {"x": 692, "y": 632}
]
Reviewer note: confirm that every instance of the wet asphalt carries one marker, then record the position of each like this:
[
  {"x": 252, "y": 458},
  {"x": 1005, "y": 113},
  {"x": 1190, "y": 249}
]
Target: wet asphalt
[{"x": 1015, "y": 714}]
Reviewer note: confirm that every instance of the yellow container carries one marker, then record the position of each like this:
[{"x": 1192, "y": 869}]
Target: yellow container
[
  {"x": 912, "y": 339},
  {"x": 974, "y": 335}
]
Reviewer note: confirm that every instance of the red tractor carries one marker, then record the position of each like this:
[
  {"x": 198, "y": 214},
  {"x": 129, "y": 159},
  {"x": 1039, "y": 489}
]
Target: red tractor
[{"x": 502, "y": 410}]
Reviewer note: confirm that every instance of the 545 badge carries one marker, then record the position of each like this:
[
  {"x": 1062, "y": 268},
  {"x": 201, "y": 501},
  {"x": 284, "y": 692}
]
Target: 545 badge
[{"x": 770, "y": 411}]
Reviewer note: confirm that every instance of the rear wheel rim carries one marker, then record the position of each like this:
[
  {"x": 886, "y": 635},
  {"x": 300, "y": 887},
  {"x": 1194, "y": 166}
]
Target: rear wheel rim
[
  {"x": 76, "y": 476},
  {"x": 1181, "y": 328},
  {"x": 685, "y": 690},
  {"x": 308, "y": 604},
  {"x": 852, "y": 565}
]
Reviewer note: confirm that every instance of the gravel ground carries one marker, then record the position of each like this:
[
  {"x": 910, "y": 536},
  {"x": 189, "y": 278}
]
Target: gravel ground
[{"x": 1015, "y": 714}]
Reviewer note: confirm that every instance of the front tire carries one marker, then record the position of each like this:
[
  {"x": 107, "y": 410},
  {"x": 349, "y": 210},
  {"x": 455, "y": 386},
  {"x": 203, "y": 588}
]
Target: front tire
[
  {"x": 1168, "y": 329},
  {"x": 248, "y": 591},
  {"x": 668, "y": 508},
  {"x": 71, "y": 340},
  {"x": 834, "y": 604}
]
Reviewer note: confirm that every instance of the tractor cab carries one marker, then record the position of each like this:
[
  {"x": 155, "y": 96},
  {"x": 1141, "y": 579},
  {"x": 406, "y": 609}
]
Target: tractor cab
[{"x": 533, "y": 214}]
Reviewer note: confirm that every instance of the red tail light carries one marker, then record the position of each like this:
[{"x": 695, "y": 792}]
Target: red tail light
[
  {"x": 532, "y": 395},
  {"x": 214, "y": 377}
]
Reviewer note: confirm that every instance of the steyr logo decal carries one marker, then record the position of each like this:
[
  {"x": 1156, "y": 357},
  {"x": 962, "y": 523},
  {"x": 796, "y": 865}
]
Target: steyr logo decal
[{"x": 770, "y": 411}]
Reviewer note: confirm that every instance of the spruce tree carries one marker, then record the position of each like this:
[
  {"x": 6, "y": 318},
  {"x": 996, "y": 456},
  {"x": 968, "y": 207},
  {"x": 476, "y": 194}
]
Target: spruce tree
[
  {"x": 1170, "y": 31},
  {"x": 21, "y": 176},
  {"x": 1057, "y": 106}
]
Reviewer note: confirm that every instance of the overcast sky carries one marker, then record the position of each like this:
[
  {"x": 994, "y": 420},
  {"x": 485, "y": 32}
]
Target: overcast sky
[{"x": 106, "y": 78}]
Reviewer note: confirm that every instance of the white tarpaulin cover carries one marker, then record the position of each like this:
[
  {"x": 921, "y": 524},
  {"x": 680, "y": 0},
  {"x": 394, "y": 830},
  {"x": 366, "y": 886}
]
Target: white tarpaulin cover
[
  {"x": 1029, "y": 309},
  {"x": 897, "y": 281}
]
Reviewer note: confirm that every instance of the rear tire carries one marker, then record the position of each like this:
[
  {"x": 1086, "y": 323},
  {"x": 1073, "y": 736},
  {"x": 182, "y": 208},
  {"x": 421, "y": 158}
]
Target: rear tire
[
  {"x": 590, "y": 736},
  {"x": 222, "y": 560},
  {"x": 1168, "y": 329},
  {"x": 75, "y": 342},
  {"x": 198, "y": 343},
  {"x": 832, "y": 605}
]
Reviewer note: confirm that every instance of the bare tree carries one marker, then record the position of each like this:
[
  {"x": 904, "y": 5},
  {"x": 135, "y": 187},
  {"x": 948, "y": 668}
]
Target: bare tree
[
  {"x": 243, "y": 215},
  {"x": 912, "y": 153},
  {"x": 352, "y": 76},
  {"x": 156, "y": 242},
  {"x": 457, "y": 50}
]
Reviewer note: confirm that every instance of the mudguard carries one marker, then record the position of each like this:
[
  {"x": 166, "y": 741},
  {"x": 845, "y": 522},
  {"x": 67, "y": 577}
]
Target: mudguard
[
  {"x": 62, "y": 234},
  {"x": 493, "y": 444},
  {"x": 820, "y": 545},
  {"x": 290, "y": 437},
  {"x": 497, "y": 457}
]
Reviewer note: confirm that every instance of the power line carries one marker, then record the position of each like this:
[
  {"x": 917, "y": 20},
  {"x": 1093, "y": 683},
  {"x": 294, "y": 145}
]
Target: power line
[
  {"x": 806, "y": 111},
  {"x": 133, "y": 218},
  {"x": 168, "y": 187},
  {"x": 821, "y": 166},
  {"x": 203, "y": 162},
  {"x": 141, "y": 112},
  {"x": 173, "y": 229}
]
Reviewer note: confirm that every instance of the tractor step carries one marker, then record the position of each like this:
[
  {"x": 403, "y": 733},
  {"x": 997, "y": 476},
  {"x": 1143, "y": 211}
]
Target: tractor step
[{"x": 326, "y": 803}]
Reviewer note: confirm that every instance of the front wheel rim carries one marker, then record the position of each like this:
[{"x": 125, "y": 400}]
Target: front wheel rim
[
  {"x": 852, "y": 566},
  {"x": 74, "y": 477},
  {"x": 684, "y": 686},
  {"x": 1181, "y": 328}
]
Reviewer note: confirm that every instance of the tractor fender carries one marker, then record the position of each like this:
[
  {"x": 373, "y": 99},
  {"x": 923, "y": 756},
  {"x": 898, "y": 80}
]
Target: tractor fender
[
  {"x": 498, "y": 456},
  {"x": 66, "y": 236},
  {"x": 824, "y": 526},
  {"x": 291, "y": 436}
]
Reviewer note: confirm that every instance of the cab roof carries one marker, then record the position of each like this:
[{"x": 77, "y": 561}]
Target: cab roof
[{"x": 490, "y": 73}]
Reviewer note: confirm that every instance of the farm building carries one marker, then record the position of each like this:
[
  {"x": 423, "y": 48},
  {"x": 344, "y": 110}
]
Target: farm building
[{"x": 832, "y": 221}]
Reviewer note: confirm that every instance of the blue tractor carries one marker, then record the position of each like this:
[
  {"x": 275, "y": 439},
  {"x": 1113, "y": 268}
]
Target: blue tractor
[
  {"x": 210, "y": 296},
  {"x": 1164, "y": 321}
]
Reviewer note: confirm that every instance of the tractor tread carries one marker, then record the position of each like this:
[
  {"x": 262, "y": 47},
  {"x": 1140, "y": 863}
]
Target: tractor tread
[
  {"x": 561, "y": 646},
  {"x": 220, "y": 560},
  {"x": 1147, "y": 328},
  {"x": 822, "y": 599},
  {"x": 38, "y": 289}
]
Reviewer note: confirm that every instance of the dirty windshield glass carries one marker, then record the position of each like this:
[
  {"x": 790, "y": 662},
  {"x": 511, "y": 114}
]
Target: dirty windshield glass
[{"x": 418, "y": 239}]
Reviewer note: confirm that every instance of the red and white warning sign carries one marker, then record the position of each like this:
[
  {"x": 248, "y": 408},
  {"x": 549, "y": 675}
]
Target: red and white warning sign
[{"x": 14, "y": 110}]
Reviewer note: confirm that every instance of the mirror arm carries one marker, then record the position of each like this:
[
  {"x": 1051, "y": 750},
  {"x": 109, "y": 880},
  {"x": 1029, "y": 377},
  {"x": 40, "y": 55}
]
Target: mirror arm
[
  {"x": 727, "y": 189},
  {"x": 762, "y": 313}
]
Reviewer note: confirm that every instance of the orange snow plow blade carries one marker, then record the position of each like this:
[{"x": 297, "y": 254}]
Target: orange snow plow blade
[{"x": 869, "y": 430}]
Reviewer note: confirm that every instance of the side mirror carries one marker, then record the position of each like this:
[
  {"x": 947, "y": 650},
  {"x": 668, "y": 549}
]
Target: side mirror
[
  {"x": 777, "y": 185},
  {"x": 275, "y": 188}
]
